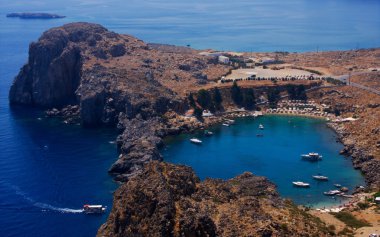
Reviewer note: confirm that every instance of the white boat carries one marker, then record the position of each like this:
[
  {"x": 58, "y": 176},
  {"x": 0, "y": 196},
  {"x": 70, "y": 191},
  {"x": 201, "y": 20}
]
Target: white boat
[
  {"x": 226, "y": 124},
  {"x": 320, "y": 177},
  {"x": 261, "y": 126},
  {"x": 94, "y": 209},
  {"x": 301, "y": 184},
  {"x": 195, "y": 140},
  {"x": 312, "y": 156},
  {"x": 208, "y": 133},
  {"x": 230, "y": 121},
  {"x": 332, "y": 192},
  {"x": 348, "y": 196},
  {"x": 338, "y": 185}
]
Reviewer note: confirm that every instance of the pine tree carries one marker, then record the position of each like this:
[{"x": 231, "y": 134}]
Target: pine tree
[
  {"x": 204, "y": 99},
  {"x": 191, "y": 100},
  {"x": 236, "y": 93},
  {"x": 217, "y": 98},
  {"x": 249, "y": 100}
]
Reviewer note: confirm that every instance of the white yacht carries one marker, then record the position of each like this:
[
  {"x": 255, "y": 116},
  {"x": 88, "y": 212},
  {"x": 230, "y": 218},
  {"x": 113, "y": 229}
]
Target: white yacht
[
  {"x": 332, "y": 192},
  {"x": 261, "y": 126},
  {"x": 226, "y": 124},
  {"x": 320, "y": 177},
  {"x": 195, "y": 140},
  {"x": 94, "y": 209},
  {"x": 312, "y": 156},
  {"x": 301, "y": 184}
]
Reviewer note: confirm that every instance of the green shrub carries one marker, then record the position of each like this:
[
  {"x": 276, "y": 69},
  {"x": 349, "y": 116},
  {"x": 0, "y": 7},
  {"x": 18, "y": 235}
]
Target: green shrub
[
  {"x": 363, "y": 205},
  {"x": 331, "y": 229},
  {"x": 350, "y": 220},
  {"x": 345, "y": 232}
]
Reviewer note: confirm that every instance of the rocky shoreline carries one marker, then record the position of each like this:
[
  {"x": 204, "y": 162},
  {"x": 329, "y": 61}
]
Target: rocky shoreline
[{"x": 361, "y": 158}]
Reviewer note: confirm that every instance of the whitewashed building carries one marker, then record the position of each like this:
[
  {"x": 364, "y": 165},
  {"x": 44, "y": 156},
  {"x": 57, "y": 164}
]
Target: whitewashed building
[{"x": 223, "y": 59}]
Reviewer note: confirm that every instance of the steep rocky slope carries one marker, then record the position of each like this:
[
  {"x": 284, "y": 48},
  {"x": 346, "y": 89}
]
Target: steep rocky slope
[
  {"x": 361, "y": 137},
  {"x": 102, "y": 77},
  {"x": 169, "y": 200}
]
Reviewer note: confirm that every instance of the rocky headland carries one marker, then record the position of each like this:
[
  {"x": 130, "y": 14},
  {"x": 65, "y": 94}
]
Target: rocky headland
[
  {"x": 84, "y": 73},
  {"x": 170, "y": 200}
]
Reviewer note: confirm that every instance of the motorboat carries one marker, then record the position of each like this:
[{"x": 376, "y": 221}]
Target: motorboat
[
  {"x": 226, "y": 124},
  {"x": 208, "y": 133},
  {"x": 301, "y": 184},
  {"x": 312, "y": 156},
  {"x": 320, "y": 177},
  {"x": 332, "y": 192},
  {"x": 94, "y": 209},
  {"x": 347, "y": 196},
  {"x": 261, "y": 126},
  {"x": 338, "y": 185},
  {"x": 230, "y": 121},
  {"x": 195, "y": 140}
]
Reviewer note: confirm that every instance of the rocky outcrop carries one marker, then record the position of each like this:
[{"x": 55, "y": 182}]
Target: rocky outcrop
[
  {"x": 359, "y": 137},
  {"x": 110, "y": 79},
  {"x": 170, "y": 200},
  {"x": 361, "y": 157}
]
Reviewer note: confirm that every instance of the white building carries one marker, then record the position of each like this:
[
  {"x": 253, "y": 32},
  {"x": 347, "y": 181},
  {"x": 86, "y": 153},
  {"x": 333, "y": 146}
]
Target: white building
[
  {"x": 211, "y": 54},
  {"x": 207, "y": 113},
  {"x": 223, "y": 59}
]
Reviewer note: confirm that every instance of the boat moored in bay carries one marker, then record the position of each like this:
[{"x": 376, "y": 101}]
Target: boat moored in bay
[
  {"x": 320, "y": 177},
  {"x": 312, "y": 156},
  {"x": 301, "y": 184},
  {"x": 195, "y": 140},
  {"x": 332, "y": 192}
]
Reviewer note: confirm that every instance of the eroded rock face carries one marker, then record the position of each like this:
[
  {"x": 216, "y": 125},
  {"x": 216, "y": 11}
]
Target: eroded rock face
[
  {"x": 170, "y": 200},
  {"x": 110, "y": 79}
]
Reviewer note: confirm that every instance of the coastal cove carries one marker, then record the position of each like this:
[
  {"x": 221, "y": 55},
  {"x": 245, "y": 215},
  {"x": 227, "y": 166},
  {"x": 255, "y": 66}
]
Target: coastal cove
[
  {"x": 51, "y": 167},
  {"x": 233, "y": 150}
]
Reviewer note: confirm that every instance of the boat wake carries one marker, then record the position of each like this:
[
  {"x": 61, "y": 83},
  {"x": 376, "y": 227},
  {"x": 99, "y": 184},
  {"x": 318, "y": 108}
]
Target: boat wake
[{"x": 40, "y": 205}]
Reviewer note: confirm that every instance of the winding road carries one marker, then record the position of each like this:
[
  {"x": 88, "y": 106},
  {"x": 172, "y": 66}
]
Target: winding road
[{"x": 344, "y": 78}]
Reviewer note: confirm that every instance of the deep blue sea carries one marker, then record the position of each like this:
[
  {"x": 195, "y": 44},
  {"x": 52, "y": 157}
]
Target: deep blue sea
[
  {"x": 236, "y": 149},
  {"x": 46, "y": 165}
]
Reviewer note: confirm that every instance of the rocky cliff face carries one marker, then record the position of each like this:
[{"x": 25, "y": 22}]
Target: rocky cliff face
[
  {"x": 360, "y": 137},
  {"x": 111, "y": 79},
  {"x": 170, "y": 200}
]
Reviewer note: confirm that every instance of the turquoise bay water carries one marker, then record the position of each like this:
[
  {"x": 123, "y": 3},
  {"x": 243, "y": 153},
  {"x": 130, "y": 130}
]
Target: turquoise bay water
[
  {"x": 236, "y": 149},
  {"x": 46, "y": 165}
]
